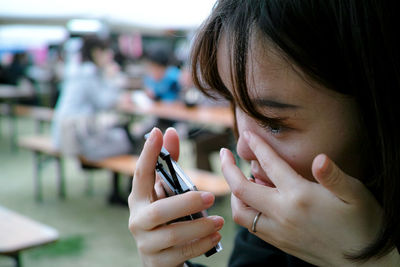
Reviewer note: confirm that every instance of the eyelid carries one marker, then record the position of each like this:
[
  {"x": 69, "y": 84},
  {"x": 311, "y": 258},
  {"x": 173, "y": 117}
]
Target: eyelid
[{"x": 279, "y": 122}]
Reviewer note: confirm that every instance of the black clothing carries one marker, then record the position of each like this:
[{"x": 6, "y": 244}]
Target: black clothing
[{"x": 250, "y": 250}]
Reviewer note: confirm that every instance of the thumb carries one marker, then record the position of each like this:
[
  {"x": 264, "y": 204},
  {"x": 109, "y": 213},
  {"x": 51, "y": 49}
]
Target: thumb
[
  {"x": 330, "y": 176},
  {"x": 171, "y": 142}
]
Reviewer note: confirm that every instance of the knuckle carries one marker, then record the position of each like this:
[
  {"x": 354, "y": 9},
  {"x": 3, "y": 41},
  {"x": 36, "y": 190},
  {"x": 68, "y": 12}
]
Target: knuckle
[
  {"x": 239, "y": 189},
  {"x": 193, "y": 196},
  {"x": 138, "y": 172},
  {"x": 300, "y": 200},
  {"x": 145, "y": 246},
  {"x": 154, "y": 214},
  {"x": 299, "y": 204},
  {"x": 133, "y": 225},
  {"x": 130, "y": 200},
  {"x": 171, "y": 237},
  {"x": 237, "y": 217},
  {"x": 334, "y": 177},
  {"x": 188, "y": 251},
  {"x": 194, "y": 199},
  {"x": 141, "y": 246}
]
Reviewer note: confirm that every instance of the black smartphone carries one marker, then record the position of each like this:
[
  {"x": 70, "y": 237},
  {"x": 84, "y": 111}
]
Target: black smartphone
[{"x": 176, "y": 182}]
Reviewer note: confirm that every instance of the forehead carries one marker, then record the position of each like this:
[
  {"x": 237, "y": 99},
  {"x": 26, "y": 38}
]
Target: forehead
[{"x": 268, "y": 73}]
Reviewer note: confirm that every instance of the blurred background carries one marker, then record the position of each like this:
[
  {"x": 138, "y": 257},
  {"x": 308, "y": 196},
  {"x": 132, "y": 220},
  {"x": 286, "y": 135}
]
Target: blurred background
[{"x": 80, "y": 83}]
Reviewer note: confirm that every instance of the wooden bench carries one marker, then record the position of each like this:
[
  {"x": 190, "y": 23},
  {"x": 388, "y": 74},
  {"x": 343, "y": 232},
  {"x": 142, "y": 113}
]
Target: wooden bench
[
  {"x": 19, "y": 233},
  {"x": 117, "y": 165},
  {"x": 41, "y": 115},
  {"x": 42, "y": 149},
  {"x": 204, "y": 180}
]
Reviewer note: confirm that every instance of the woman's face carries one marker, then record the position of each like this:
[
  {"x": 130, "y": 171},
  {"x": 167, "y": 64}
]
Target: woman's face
[
  {"x": 318, "y": 120},
  {"x": 102, "y": 57}
]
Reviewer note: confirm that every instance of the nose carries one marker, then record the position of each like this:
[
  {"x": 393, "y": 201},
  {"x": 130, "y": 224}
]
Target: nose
[
  {"x": 243, "y": 123},
  {"x": 243, "y": 150}
]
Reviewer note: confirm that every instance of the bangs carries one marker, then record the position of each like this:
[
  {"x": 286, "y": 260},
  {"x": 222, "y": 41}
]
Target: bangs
[{"x": 238, "y": 29}]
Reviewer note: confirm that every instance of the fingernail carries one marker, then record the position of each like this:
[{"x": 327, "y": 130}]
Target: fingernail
[
  {"x": 222, "y": 152},
  {"x": 151, "y": 135},
  {"x": 218, "y": 222},
  {"x": 215, "y": 237},
  {"x": 323, "y": 164},
  {"x": 170, "y": 129},
  {"x": 207, "y": 197}
]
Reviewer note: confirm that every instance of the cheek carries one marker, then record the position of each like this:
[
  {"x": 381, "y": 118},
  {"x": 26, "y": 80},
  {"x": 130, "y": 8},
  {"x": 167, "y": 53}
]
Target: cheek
[
  {"x": 293, "y": 150},
  {"x": 298, "y": 157}
]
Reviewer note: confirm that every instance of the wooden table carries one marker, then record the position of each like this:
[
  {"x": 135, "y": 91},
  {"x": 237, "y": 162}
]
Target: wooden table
[
  {"x": 18, "y": 233},
  {"x": 221, "y": 116}
]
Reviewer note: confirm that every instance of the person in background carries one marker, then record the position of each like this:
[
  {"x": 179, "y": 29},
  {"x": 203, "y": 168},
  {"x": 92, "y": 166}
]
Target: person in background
[
  {"x": 17, "y": 70},
  {"x": 312, "y": 84},
  {"x": 92, "y": 87},
  {"x": 161, "y": 80},
  {"x": 161, "y": 83}
]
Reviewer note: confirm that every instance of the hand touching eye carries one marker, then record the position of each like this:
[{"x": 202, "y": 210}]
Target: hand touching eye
[{"x": 317, "y": 222}]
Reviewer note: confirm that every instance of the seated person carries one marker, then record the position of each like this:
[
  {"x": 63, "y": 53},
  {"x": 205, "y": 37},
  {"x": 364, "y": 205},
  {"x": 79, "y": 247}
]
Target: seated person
[
  {"x": 162, "y": 79},
  {"x": 162, "y": 83},
  {"x": 93, "y": 87}
]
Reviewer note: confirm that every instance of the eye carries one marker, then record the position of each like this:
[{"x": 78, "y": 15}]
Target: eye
[{"x": 275, "y": 128}]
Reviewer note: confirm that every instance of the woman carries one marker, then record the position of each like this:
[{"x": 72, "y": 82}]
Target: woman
[
  {"x": 92, "y": 88},
  {"x": 311, "y": 85}
]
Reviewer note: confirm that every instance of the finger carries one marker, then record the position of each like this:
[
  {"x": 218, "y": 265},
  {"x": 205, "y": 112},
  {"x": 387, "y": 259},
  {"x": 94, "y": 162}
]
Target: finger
[
  {"x": 257, "y": 196},
  {"x": 144, "y": 176},
  {"x": 241, "y": 213},
  {"x": 171, "y": 208},
  {"x": 278, "y": 170},
  {"x": 182, "y": 232},
  {"x": 265, "y": 227},
  {"x": 160, "y": 192},
  {"x": 175, "y": 255},
  {"x": 329, "y": 175},
  {"x": 171, "y": 142}
]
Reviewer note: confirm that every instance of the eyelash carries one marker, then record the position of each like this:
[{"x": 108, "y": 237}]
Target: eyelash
[{"x": 275, "y": 128}]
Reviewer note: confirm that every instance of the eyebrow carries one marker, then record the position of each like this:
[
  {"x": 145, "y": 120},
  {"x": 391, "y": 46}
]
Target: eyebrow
[{"x": 274, "y": 104}]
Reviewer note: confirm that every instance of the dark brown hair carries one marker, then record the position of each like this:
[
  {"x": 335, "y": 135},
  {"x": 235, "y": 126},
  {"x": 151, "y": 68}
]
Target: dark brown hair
[
  {"x": 90, "y": 43},
  {"x": 348, "y": 46}
]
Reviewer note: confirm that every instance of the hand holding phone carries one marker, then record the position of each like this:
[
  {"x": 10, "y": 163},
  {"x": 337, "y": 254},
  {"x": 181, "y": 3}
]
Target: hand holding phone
[{"x": 175, "y": 182}]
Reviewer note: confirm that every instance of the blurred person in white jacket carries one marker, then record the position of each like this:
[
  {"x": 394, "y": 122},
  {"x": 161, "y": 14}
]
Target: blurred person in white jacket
[{"x": 94, "y": 86}]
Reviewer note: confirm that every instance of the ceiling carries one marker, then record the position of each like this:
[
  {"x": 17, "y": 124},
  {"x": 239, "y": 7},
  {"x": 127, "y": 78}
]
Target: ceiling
[{"x": 118, "y": 14}]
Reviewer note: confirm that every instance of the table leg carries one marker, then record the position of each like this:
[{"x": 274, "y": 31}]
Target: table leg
[
  {"x": 37, "y": 176},
  {"x": 60, "y": 178},
  {"x": 115, "y": 197},
  {"x": 17, "y": 258}
]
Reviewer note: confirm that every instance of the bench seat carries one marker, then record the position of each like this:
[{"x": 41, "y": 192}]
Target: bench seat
[
  {"x": 42, "y": 147},
  {"x": 39, "y": 143}
]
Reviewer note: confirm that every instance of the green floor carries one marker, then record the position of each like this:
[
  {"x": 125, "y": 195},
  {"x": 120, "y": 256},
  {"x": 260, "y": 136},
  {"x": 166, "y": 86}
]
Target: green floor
[{"x": 92, "y": 232}]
